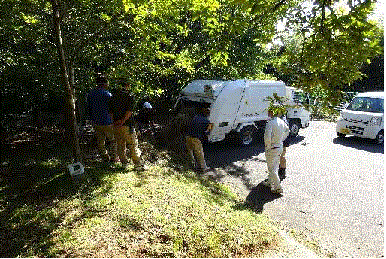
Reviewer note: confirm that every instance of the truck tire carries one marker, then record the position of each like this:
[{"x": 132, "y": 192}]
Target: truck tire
[
  {"x": 294, "y": 127},
  {"x": 379, "y": 138},
  {"x": 246, "y": 135}
]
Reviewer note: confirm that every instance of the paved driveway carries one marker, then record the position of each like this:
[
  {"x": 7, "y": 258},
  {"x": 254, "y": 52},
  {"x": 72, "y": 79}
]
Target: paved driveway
[{"x": 333, "y": 193}]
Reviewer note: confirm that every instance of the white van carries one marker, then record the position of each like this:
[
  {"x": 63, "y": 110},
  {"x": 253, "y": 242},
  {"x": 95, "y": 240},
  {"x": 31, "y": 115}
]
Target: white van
[
  {"x": 240, "y": 106},
  {"x": 363, "y": 117}
]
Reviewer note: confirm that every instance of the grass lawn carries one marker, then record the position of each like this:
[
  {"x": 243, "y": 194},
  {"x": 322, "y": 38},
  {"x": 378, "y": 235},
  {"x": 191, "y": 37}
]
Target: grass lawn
[{"x": 161, "y": 212}]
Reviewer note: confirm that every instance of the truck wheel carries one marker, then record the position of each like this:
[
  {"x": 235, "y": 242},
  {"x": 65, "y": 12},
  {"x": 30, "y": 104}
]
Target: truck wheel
[
  {"x": 340, "y": 135},
  {"x": 379, "y": 138},
  {"x": 246, "y": 135},
  {"x": 294, "y": 128}
]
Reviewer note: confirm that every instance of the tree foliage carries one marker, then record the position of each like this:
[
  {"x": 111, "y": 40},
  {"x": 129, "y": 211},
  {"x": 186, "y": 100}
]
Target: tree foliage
[
  {"x": 160, "y": 45},
  {"x": 327, "y": 44}
]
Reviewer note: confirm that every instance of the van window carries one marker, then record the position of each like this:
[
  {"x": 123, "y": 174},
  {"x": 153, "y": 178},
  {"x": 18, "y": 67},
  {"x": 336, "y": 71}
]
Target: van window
[{"x": 366, "y": 104}]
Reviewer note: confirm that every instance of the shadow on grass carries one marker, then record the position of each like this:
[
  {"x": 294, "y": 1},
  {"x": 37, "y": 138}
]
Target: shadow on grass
[
  {"x": 33, "y": 179},
  {"x": 179, "y": 162},
  {"x": 220, "y": 155}
]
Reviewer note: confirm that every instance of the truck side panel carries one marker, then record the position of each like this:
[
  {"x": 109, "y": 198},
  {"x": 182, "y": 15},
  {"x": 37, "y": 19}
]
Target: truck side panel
[
  {"x": 254, "y": 106},
  {"x": 224, "y": 111}
]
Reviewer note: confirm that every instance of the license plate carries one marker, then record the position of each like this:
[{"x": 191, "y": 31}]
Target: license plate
[{"x": 345, "y": 131}]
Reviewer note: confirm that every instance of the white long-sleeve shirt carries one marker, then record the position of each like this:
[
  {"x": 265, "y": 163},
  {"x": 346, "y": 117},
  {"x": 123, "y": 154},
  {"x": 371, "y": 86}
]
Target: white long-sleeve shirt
[{"x": 276, "y": 131}]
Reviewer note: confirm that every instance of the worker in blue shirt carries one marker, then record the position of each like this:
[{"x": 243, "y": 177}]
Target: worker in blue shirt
[
  {"x": 98, "y": 112},
  {"x": 199, "y": 127}
]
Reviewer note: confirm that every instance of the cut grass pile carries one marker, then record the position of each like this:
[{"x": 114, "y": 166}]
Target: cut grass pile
[{"x": 157, "y": 213}]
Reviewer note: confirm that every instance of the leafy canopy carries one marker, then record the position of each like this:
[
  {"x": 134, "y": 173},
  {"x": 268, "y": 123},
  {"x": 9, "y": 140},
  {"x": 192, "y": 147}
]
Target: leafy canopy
[
  {"x": 160, "y": 45},
  {"x": 326, "y": 49}
]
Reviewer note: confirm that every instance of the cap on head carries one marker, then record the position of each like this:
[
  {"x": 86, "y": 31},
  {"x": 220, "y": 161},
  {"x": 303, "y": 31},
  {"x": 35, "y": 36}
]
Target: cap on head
[{"x": 147, "y": 105}]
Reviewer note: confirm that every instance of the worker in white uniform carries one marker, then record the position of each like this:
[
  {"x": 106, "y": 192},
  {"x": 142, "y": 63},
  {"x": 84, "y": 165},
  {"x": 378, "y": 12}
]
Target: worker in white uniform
[{"x": 276, "y": 131}]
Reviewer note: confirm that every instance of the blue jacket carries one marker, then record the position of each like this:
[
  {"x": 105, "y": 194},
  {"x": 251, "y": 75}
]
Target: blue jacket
[
  {"x": 198, "y": 126},
  {"x": 98, "y": 106}
]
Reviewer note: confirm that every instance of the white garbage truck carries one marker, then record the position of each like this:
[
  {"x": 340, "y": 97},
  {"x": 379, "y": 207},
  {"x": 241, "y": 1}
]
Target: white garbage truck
[{"x": 239, "y": 107}]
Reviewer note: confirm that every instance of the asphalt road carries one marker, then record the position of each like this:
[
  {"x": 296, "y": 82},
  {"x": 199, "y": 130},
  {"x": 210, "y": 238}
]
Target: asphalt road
[{"x": 333, "y": 193}]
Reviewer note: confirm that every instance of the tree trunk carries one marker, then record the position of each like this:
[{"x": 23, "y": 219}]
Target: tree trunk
[{"x": 71, "y": 124}]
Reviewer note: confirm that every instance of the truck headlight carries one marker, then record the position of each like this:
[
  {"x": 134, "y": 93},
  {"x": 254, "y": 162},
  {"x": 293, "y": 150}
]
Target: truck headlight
[{"x": 376, "y": 121}]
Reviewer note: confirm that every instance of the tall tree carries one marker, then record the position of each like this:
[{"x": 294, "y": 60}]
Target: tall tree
[{"x": 71, "y": 124}]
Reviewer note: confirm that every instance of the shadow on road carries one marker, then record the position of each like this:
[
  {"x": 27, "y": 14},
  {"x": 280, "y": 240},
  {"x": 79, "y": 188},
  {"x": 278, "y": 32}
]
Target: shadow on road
[
  {"x": 360, "y": 143},
  {"x": 223, "y": 154},
  {"x": 258, "y": 197}
]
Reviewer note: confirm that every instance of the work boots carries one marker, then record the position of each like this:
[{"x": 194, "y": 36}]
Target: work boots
[{"x": 281, "y": 174}]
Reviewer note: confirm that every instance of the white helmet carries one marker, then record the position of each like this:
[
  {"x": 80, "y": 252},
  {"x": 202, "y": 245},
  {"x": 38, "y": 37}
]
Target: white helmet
[{"x": 147, "y": 105}]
